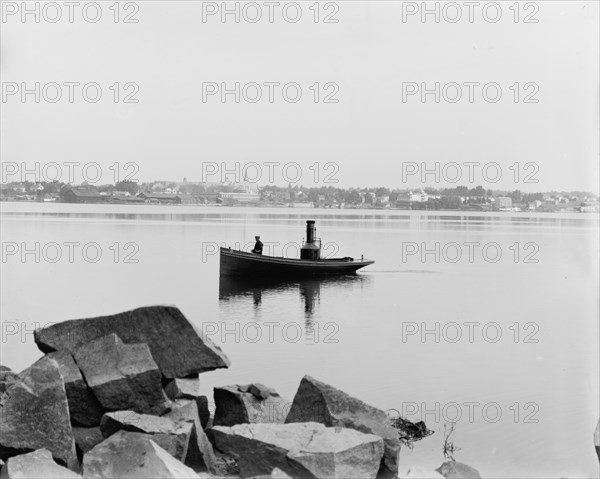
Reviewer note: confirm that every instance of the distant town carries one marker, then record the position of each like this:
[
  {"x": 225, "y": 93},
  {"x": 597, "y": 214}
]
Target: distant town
[{"x": 246, "y": 194}]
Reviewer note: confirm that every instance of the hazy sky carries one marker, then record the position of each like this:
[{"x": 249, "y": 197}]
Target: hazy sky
[{"x": 369, "y": 59}]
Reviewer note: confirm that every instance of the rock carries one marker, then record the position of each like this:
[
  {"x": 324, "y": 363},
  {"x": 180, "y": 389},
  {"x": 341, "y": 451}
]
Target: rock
[
  {"x": 301, "y": 450},
  {"x": 7, "y": 377},
  {"x": 133, "y": 455},
  {"x": 417, "y": 472},
  {"x": 189, "y": 388},
  {"x": 279, "y": 474},
  {"x": 38, "y": 464},
  {"x": 200, "y": 454},
  {"x": 253, "y": 403},
  {"x": 122, "y": 376},
  {"x": 178, "y": 347},
  {"x": 597, "y": 439},
  {"x": 275, "y": 474},
  {"x": 457, "y": 470},
  {"x": 319, "y": 402},
  {"x": 84, "y": 408},
  {"x": 172, "y": 436},
  {"x": 86, "y": 438},
  {"x": 34, "y": 414}
]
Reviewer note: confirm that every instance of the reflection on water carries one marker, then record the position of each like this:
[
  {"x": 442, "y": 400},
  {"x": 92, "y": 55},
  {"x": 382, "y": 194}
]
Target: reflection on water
[{"x": 244, "y": 290}]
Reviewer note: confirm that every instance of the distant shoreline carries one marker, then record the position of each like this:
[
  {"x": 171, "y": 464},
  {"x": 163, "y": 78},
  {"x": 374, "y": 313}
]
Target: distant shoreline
[{"x": 307, "y": 210}]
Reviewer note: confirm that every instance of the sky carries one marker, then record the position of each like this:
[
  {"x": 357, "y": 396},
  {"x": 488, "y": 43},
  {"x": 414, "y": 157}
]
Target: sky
[{"x": 361, "y": 119}]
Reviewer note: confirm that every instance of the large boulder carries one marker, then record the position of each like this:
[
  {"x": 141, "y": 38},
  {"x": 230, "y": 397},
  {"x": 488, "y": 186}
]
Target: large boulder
[
  {"x": 34, "y": 414},
  {"x": 319, "y": 402},
  {"x": 86, "y": 438},
  {"x": 201, "y": 455},
  {"x": 302, "y": 450},
  {"x": 122, "y": 376},
  {"x": 457, "y": 470},
  {"x": 189, "y": 388},
  {"x": 7, "y": 377},
  {"x": 178, "y": 347},
  {"x": 173, "y": 437},
  {"x": 275, "y": 474},
  {"x": 252, "y": 403},
  {"x": 84, "y": 408},
  {"x": 127, "y": 455},
  {"x": 38, "y": 464}
]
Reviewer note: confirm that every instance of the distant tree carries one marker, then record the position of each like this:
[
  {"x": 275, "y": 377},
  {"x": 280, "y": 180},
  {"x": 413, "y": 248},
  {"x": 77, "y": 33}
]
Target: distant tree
[
  {"x": 129, "y": 186},
  {"x": 382, "y": 192}
]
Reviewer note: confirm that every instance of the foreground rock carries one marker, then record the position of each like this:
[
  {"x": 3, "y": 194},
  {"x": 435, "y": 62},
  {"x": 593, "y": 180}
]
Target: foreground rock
[
  {"x": 189, "y": 388},
  {"x": 304, "y": 450},
  {"x": 201, "y": 455},
  {"x": 7, "y": 377},
  {"x": 133, "y": 455},
  {"x": 122, "y": 376},
  {"x": 178, "y": 348},
  {"x": 84, "y": 408},
  {"x": 34, "y": 414},
  {"x": 173, "y": 437},
  {"x": 319, "y": 402},
  {"x": 86, "y": 438},
  {"x": 275, "y": 474},
  {"x": 457, "y": 470},
  {"x": 37, "y": 464},
  {"x": 253, "y": 403},
  {"x": 179, "y": 433}
]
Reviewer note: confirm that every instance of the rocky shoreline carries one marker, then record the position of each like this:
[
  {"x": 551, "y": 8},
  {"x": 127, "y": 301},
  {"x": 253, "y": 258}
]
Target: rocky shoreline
[{"x": 119, "y": 396}]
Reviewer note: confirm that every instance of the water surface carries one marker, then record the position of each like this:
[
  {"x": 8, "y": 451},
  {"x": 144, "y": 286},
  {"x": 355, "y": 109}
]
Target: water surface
[{"x": 509, "y": 342}]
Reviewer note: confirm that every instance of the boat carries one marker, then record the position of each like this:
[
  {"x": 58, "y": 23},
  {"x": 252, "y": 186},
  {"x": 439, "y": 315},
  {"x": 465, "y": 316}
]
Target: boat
[{"x": 310, "y": 263}]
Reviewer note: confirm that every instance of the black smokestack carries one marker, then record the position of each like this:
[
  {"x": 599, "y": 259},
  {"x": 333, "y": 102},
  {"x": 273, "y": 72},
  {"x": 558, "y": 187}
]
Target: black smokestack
[{"x": 310, "y": 231}]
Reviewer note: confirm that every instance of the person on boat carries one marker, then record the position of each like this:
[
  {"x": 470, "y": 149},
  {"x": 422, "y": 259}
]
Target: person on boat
[{"x": 258, "y": 247}]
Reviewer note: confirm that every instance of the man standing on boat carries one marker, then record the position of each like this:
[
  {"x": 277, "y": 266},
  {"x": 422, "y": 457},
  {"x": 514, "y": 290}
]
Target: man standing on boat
[{"x": 258, "y": 247}]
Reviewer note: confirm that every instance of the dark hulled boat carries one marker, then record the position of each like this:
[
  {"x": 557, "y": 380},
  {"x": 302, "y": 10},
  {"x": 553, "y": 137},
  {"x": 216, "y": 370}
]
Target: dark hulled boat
[{"x": 241, "y": 263}]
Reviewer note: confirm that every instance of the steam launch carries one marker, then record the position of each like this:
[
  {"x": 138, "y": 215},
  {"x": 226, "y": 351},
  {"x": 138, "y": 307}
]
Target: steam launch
[{"x": 310, "y": 263}]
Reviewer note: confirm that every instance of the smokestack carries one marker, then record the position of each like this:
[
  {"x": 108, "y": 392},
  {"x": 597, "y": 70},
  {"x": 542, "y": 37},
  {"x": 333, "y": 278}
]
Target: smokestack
[
  {"x": 310, "y": 249},
  {"x": 310, "y": 231}
]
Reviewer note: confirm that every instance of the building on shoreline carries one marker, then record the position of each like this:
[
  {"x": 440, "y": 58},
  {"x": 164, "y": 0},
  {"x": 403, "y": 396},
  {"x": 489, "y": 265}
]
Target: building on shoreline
[{"x": 83, "y": 195}]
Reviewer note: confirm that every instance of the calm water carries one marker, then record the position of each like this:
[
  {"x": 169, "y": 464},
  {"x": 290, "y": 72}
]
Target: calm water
[{"x": 511, "y": 342}]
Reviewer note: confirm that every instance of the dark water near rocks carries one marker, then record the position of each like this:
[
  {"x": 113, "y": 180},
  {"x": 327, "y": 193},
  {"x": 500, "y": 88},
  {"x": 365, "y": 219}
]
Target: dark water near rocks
[{"x": 495, "y": 328}]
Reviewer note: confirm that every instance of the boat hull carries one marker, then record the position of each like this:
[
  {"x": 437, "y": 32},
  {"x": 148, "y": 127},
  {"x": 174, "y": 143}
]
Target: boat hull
[{"x": 241, "y": 263}]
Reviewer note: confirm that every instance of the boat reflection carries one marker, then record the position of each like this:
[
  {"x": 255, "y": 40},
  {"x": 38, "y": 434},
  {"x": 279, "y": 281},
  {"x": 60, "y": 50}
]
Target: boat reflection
[{"x": 309, "y": 289}]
